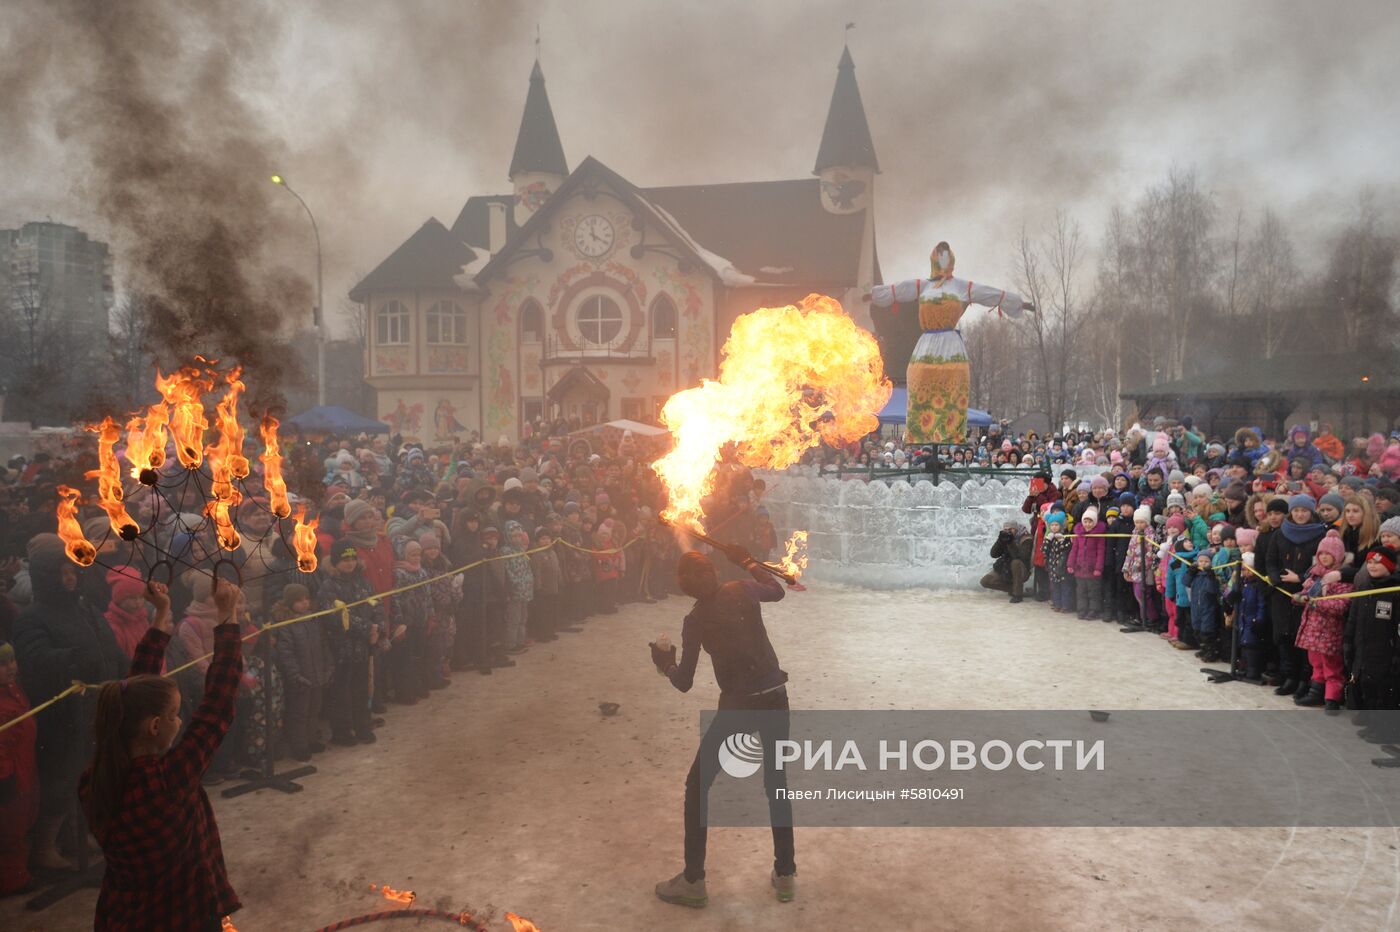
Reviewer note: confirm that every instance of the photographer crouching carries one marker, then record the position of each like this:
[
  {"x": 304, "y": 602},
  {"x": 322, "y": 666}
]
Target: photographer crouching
[{"x": 1012, "y": 553}]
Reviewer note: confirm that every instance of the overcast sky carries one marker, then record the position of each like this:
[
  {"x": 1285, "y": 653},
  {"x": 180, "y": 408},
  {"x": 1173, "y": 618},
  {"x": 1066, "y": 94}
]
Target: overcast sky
[{"x": 985, "y": 115}]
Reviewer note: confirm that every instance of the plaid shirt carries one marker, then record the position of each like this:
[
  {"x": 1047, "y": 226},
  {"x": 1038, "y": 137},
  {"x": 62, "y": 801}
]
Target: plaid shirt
[{"x": 165, "y": 866}]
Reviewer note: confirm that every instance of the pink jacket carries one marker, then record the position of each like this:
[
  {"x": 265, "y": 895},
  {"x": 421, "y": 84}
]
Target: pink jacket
[{"x": 1086, "y": 554}]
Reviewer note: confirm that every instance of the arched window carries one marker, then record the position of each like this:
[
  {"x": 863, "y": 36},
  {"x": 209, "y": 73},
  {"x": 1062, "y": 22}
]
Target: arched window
[
  {"x": 447, "y": 323},
  {"x": 391, "y": 324},
  {"x": 531, "y": 322},
  {"x": 663, "y": 318},
  {"x": 599, "y": 319}
]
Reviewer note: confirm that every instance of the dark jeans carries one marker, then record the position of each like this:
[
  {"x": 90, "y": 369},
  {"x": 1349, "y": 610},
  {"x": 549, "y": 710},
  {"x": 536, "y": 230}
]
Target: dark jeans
[
  {"x": 1286, "y": 615},
  {"x": 1042, "y": 584},
  {"x": 706, "y": 767},
  {"x": 348, "y": 697}
]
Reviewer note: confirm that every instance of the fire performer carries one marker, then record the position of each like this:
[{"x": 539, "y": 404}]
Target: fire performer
[
  {"x": 142, "y": 794},
  {"x": 727, "y": 623},
  {"x": 938, "y": 377}
]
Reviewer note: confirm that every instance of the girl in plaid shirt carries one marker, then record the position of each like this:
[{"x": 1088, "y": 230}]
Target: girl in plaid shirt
[{"x": 143, "y": 796}]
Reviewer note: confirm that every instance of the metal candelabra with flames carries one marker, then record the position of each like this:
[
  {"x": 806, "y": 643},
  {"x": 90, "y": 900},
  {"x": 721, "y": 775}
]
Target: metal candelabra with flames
[{"x": 166, "y": 455}]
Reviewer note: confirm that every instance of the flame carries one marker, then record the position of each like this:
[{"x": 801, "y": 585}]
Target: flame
[
  {"x": 794, "y": 559},
  {"x": 790, "y": 377},
  {"x": 218, "y": 509},
  {"x": 406, "y": 897},
  {"x": 272, "y": 468},
  {"x": 146, "y": 439},
  {"x": 109, "y": 479},
  {"x": 226, "y": 459},
  {"x": 183, "y": 391},
  {"x": 304, "y": 539},
  {"x": 80, "y": 549},
  {"x": 227, "y": 925},
  {"x": 521, "y": 924}
]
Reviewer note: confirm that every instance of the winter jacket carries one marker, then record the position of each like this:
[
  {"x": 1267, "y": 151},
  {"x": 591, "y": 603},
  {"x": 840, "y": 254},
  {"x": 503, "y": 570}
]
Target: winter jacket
[
  {"x": 303, "y": 653},
  {"x": 1141, "y": 557},
  {"x": 1204, "y": 594},
  {"x": 548, "y": 573},
  {"x": 1178, "y": 586},
  {"x": 1323, "y": 622},
  {"x": 1370, "y": 645},
  {"x": 1285, "y": 555},
  {"x": 1057, "y": 552},
  {"x": 1250, "y": 616},
  {"x": 1086, "y": 553},
  {"x": 348, "y": 632}
]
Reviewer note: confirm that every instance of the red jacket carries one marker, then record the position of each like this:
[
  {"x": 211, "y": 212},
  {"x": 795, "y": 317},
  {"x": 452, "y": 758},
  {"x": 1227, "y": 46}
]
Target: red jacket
[
  {"x": 165, "y": 864},
  {"x": 19, "y": 774},
  {"x": 378, "y": 567}
]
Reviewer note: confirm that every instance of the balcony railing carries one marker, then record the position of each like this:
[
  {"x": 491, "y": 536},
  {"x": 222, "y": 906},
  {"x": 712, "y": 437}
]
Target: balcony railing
[{"x": 555, "y": 349}]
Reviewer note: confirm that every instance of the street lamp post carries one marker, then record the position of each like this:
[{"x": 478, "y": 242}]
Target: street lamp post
[{"x": 320, "y": 308}]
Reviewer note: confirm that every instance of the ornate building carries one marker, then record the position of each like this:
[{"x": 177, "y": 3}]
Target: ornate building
[{"x": 580, "y": 293}]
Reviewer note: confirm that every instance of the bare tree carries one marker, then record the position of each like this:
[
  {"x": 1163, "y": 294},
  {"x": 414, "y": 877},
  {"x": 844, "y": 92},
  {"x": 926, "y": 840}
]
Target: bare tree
[
  {"x": 1270, "y": 281},
  {"x": 131, "y": 358},
  {"x": 1361, "y": 275}
]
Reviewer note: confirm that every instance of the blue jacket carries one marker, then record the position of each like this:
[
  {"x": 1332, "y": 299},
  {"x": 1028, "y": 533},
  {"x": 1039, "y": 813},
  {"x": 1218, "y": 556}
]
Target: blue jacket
[
  {"x": 1178, "y": 589},
  {"x": 1249, "y": 617},
  {"x": 1205, "y": 599}
]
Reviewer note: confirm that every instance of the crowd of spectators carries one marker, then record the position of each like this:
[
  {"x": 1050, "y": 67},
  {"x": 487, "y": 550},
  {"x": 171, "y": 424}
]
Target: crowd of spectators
[
  {"x": 568, "y": 531},
  {"x": 1274, "y": 554}
]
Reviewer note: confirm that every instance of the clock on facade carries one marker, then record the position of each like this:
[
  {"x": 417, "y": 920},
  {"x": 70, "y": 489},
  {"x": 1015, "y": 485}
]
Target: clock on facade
[{"x": 593, "y": 236}]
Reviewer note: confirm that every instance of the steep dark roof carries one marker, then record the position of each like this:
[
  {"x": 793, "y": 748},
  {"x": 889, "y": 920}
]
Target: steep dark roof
[
  {"x": 846, "y": 138},
  {"x": 473, "y": 224},
  {"x": 766, "y": 226},
  {"x": 428, "y": 260},
  {"x": 537, "y": 147},
  {"x": 1309, "y": 375}
]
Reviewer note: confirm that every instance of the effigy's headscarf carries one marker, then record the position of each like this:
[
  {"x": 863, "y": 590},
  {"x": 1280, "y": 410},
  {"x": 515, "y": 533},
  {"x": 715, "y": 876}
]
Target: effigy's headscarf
[{"x": 939, "y": 271}]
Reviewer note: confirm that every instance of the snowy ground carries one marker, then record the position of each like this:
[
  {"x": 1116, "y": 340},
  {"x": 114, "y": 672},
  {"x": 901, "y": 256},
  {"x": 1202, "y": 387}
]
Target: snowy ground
[{"x": 512, "y": 792}]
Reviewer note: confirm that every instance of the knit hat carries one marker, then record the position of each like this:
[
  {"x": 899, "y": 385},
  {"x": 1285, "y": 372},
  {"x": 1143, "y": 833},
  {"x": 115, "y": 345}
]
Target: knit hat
[
  {"x": 1279, "y": 505},
  {"x": 1383, "y": 555},
  {"x": 512, "y": 483},
  {"x": 571, "y": 508},
  {"x": 1160, "y": 447},
  {"x": 1099, "y": 482},
  {"x": 1176, "y": 523},
  {"x": 1353, "y": 482},
  {"x": 601, "y": 498},
  {"x": 1302, "y": 501},
  {"x": 1055, "y": 517},
  {"x": 1332, "y": 546},
  {"x": 1143, "y": 514},
  {"x": 491, "y": 530},
  {"x": 293, "y": 593},
  {"x": 1111, "y": 513},
  {"x": 1227, "y": 531},
  {"x": 1235, "y": 492},
  {"x": 125, "y": 584},
  {"x": 1176, "y": 475},
  {"x": 1090, "y": 516},
  {"x": 355, "y": 509},
  {"x": 529, "y": 475},
  {"x": 1391, "y": 526},
  {"x": 1246, "y": 536},
  {"x": 342, "y": 550},
  {"x": 1333, "y": 499},
  {"x": 1176, "y": 498},
  {"x": 1202, "y": 490},
  {"x": 1127, "y": 499}
]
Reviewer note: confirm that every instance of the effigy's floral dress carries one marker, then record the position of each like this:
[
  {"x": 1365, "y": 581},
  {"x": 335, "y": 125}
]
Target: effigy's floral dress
[{"x": 937, "y": 378}]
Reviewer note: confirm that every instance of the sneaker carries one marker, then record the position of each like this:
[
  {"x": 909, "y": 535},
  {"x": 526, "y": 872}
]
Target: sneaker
[
  {"x": 785, "y": 885},
  {"x": 682, "y": 892}
]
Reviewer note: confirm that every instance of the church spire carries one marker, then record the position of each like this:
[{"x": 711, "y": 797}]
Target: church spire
[
  {"x": 846, "y": 138},
  {"x": 537, "y": 147}
]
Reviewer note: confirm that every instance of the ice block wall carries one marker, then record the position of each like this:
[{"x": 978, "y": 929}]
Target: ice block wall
[{"x": 893, "y": 535}]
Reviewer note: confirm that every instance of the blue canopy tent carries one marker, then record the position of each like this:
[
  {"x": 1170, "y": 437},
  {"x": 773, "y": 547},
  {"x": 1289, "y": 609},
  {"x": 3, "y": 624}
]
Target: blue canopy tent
[
  {"x": 333, "y": 419},
  {"x": 894, "y": 411}
]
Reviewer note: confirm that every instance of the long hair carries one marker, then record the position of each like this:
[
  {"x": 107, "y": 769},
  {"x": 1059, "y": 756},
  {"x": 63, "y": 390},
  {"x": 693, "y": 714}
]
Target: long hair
[
  {"x": 1369, "y": 530},
  {"x": 122, "y": 707}
]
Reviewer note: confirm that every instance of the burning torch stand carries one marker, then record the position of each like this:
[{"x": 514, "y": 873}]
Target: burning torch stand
[{"x": 270, "y": 779}]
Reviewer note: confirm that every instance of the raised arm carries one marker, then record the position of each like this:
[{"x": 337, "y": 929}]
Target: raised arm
[
  {"x": 897, "y": 293},
  {"x": 682, "y": 675},
  {"x": 188, "y": 760},
  {"x": 1008, "y": 303},
  {"x": 150, "y": 652}
]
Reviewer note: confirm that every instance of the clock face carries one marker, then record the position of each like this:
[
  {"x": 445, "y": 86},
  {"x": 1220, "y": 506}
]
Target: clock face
[{"x": 594, "y": 236}]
